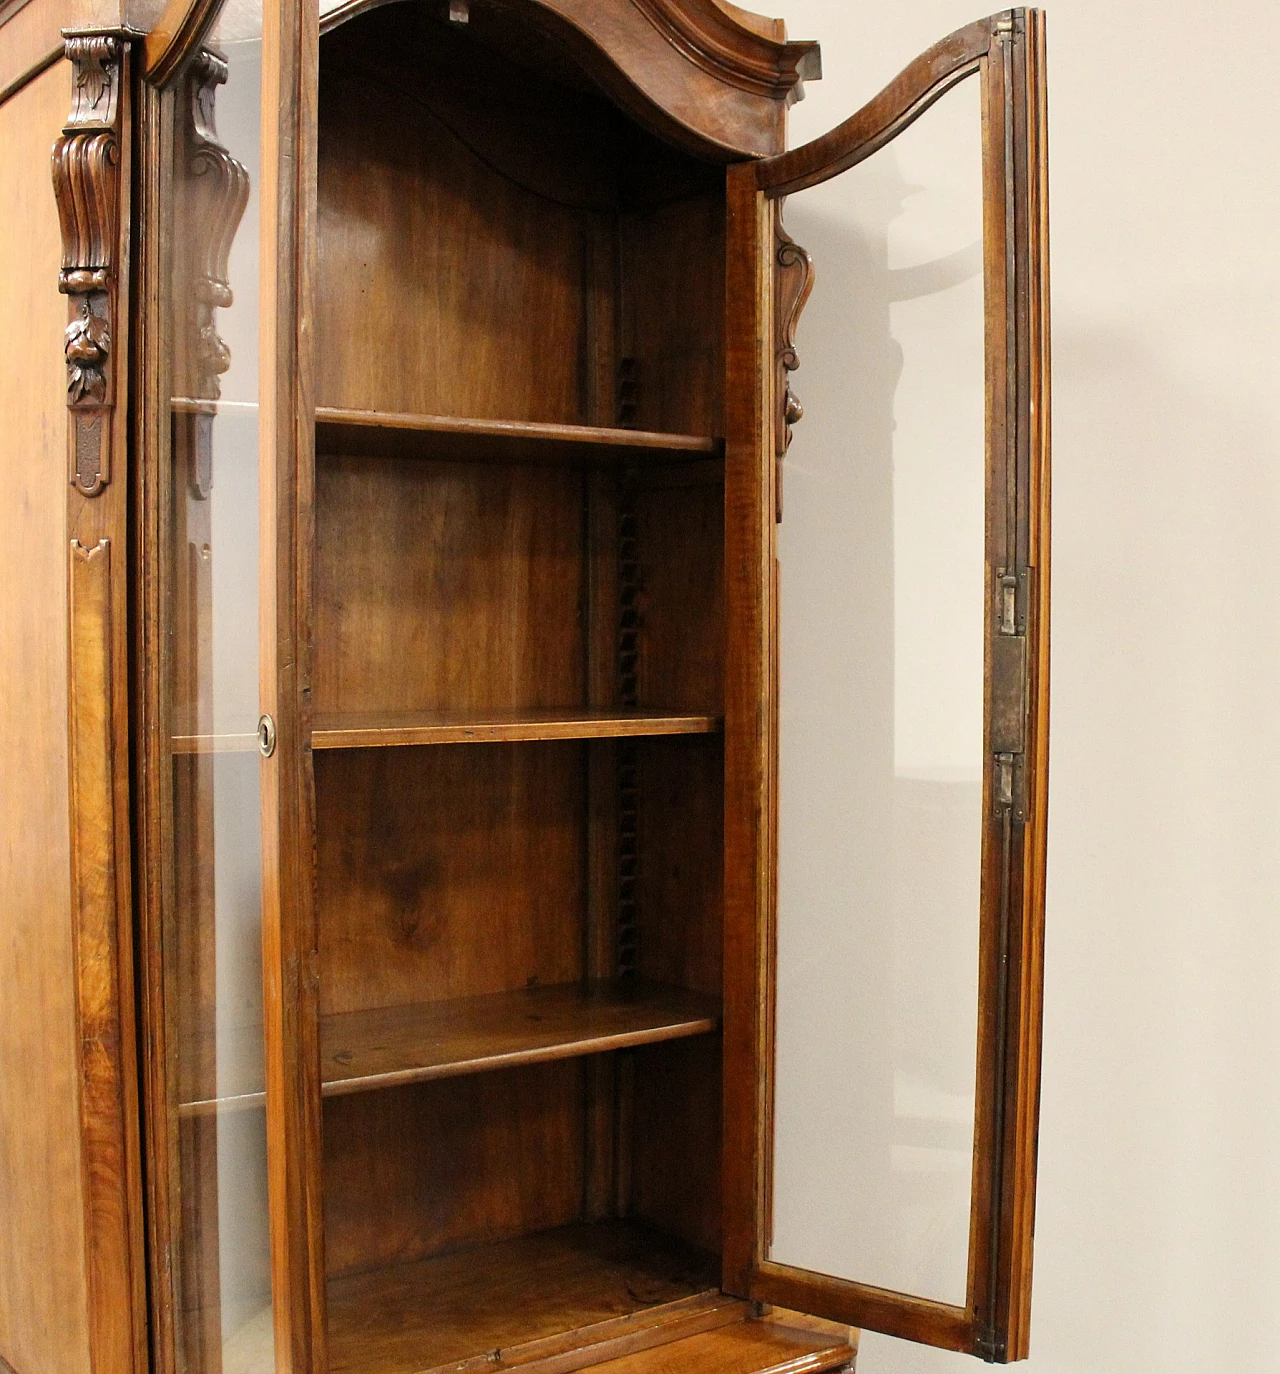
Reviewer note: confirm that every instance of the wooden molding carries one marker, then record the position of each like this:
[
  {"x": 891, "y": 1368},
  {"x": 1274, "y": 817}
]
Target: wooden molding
[
  {"x": 722, "y": 44},
  {"x": 701, "y": 72},
  {"x": 103, "y": 1090},
  {"x": 179, "y": 32},
  {"x": 86, "y": 182},
  {"x": 217, "y": 187},
  {"x": 793, "y": 282}
]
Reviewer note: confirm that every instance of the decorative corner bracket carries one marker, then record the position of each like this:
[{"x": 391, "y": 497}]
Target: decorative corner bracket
[
  {"x": 794, "y": 283},
  {"x": 218, "y": 192},
  {"x": 86, "y": 183}
]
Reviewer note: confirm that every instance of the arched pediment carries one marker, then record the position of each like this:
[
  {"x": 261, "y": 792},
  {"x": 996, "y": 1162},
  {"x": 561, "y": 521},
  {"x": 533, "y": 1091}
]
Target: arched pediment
[{"x": 703, "y": 73}]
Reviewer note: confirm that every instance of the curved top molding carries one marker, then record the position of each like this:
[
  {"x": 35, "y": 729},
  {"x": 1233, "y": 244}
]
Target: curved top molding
[
  {"x": 178, "y": 33},
  {"x": 703, "y": 73},
  {"x": 901, "y": 103}
]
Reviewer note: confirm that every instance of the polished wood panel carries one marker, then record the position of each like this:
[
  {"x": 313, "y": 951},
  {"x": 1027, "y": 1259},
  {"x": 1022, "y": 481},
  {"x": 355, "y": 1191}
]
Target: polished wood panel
[
  {"x": 427, "y": 1316},
  {"x": 781, "y": 1343},
  {"x": 676, "y": 1140},
  {"x": 672, "y": 309},
  {"x": 290, "y": 938},
  {"x": 369, "y": 730},
  {"x": 680, "y": 530},
  {"x": 429, "y": 256},
  {"x": 365, "y": 433},
  {"x": 706, "y": 75},
  {"x": 441, "y": 586},
  {"x": 418, "y": 1171},
  {"x": 43, "y": 1284},
  {"x": 30, "y": 42},
  {"x": 748, "y": 721},
  {"x": 394, "y": 1045},
  {"x": 390, "y": 1046},
  {"x": 448, "y": 873},
  {"x": 92, "y": 166}
]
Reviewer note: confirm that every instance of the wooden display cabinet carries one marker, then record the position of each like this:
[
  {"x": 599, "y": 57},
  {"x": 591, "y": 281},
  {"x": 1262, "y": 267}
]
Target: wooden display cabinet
[{"x": 390, "y": 643}]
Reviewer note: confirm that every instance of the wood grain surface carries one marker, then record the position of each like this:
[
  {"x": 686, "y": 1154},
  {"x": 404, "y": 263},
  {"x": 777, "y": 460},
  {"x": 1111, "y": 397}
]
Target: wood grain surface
[
  {"x": 382, "y": 730},
  {"x": 43, "y": 1286},
  {"x": 409, "y": 1318},
  {"x": 369, "y": 433}
]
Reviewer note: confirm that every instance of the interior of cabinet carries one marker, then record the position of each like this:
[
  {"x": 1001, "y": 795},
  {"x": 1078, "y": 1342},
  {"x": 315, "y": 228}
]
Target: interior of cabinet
[{"x": 517, "y": 702}]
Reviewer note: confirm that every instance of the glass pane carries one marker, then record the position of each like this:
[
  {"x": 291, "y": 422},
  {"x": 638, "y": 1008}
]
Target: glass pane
[
  {"x": 213, "y": 936},
  {"x": 881, "y": 728}
]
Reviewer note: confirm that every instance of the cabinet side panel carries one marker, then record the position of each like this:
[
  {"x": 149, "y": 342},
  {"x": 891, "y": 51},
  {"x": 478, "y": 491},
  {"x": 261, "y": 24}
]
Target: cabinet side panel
[{"x": 43, "y": 1298}]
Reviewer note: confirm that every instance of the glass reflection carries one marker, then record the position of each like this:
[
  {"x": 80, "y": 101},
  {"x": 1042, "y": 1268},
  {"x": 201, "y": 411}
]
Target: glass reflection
[
  {"x": 214, "y": 926},
  {"x": 881, "y": 728}
]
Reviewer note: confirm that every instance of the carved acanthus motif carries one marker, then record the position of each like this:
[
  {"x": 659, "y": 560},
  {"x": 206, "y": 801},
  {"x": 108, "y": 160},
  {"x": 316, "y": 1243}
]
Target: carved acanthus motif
[
  {"x": 86, "y": 184},
  {"x": 216, "y": 191},
  {"x": 794, "y": 283},
  {"x": 219, "y": 194}
]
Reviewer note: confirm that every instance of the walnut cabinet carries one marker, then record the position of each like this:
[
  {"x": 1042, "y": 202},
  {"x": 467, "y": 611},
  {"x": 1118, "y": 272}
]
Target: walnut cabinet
[{"x": 488, "y": 883}]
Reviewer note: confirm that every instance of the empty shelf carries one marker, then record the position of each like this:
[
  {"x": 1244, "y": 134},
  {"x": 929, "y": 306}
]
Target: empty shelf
[
  {"x": 375, "y": 1049},
  {"x": 374, "y": 730},
  {"x": 536, "y": 1298},
  {"x": 374, "y": 434},
  {"x": 365, "y": 1050}
]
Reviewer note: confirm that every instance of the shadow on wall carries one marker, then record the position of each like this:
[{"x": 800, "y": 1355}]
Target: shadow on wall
[{"x": 881, "y": 576}]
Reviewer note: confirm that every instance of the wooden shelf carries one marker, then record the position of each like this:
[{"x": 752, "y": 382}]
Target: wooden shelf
[
  {"x": 548, "y": 1297},
  {"x": 383, "y": 730},
  {"x": 366, "y": 1050},
  {"x": 380, "y": 434}
]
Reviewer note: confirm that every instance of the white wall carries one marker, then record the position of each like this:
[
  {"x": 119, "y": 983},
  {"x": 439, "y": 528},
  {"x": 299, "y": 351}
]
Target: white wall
[{"x": 1158, "y": 1233}]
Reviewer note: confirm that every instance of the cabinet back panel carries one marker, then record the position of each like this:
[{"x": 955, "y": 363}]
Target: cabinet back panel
[
  {"x": 447, "y": 586},
  {"x": 673, "y": 312},
  {"x": 412, "y": 1172},
  {"x": 675, "y": 1153},
  {"x": 448, "y": 870},
  {"x": 453, "y": 281},
  {"x": 680, "y": 534},
  {"x": 680, "y": 874}
]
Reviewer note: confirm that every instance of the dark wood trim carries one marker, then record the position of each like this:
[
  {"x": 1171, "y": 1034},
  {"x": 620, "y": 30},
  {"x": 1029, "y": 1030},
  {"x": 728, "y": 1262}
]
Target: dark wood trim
[
  {"x": 372, "y": 433},
  {"x": 868, "y": 1308},
  {"x": 151, "y": 668},
  {"x": 389, "y": 730},
  {"x": 749, "y": 506},
  {"x": 176, "y": 36},
  {"x": 92, "y": 162},
  {"x": 1005, "y": 52},
  {"x": 898, "y": 106},
  {"x": 291, "y": 962},
  {"x": 87, "y": 177},
  {"x": 689, "y": 69}
]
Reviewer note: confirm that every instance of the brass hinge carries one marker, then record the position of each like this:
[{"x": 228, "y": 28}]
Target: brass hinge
[{"x": 1008, "y": 738}]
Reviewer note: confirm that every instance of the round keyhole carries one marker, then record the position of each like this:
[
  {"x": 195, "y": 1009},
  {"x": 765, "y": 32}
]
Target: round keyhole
[{"x": 267, "y": 736}]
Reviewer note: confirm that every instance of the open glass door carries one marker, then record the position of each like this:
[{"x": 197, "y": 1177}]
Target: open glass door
[
  {"x": 231, "y": 1122},
  {"x": 886, "y": 740}
]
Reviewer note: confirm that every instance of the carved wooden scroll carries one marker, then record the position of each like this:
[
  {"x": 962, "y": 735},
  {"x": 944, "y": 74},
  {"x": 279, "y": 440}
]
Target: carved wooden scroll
[
  {"x": 216, "y": 191},
  {"x": 86, "y": 182},
  {"x": 793, "y": 279}
]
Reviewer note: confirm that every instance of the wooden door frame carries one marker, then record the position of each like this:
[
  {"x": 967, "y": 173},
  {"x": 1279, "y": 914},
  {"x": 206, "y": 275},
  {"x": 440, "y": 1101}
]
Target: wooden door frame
[{"x": 767, "y": 282}]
